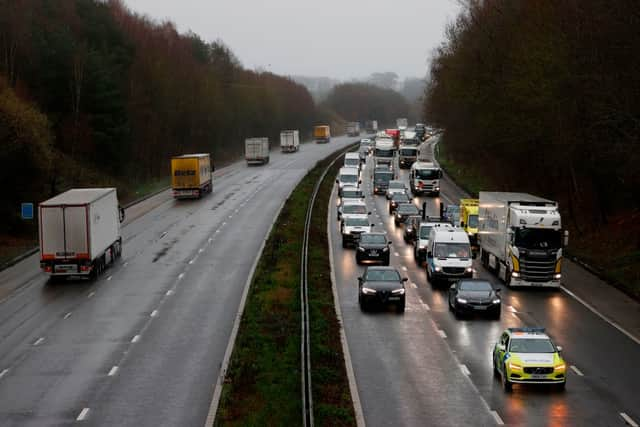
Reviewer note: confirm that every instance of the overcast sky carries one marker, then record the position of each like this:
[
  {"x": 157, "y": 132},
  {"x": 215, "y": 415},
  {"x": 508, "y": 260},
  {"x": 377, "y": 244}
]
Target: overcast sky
[{"x": 342, "y": 39}]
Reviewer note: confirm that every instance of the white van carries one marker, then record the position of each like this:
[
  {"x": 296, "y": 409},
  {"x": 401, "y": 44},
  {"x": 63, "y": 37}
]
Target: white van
[
  {"x": 352, "y": 160},
  {"x": 449, "y": 255},
  {"x": 348, "y": 176},
  {"x": 424, "y": 178}
]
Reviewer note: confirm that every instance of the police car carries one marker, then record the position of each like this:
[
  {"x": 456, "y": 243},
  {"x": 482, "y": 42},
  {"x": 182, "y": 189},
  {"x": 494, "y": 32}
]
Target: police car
[{"x": 527, "y": 355}]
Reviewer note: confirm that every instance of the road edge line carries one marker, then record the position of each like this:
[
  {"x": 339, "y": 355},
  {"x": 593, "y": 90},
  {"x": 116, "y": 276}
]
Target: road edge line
[
  {"x": 217, "y": 392},
  {"x": 353, "y": 386}
]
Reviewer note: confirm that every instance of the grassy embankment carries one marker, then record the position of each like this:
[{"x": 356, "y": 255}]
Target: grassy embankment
[
  {"x": 262, "y": 385},
  {"x": 608, "y": 250}
]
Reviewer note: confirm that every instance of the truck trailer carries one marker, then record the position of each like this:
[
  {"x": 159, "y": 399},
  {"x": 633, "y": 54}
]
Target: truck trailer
[
  {"x": 289, "y": 141},
  {"x": 371, "y": 126},
  {"x": 191, "y": 175},
  {"x": 322, "y": 134},
  {"x": 79, "y": 232},
  {"x": 256, "y": 150},
  {"x": 521, "y": 238}
]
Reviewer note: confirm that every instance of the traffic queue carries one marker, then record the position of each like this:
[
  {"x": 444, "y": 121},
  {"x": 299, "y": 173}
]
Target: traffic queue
[{"x": 446, "y": 245}]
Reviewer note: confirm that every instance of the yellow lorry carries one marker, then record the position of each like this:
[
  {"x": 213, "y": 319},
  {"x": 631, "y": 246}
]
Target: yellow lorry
[
  {"x": 322, "y": 134},
  {"x": 469, "y": 219},
  {"x": 191, "y": 175}
]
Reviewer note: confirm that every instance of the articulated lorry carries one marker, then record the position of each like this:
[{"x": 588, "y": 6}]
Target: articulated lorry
[
  {"x": 256, "y": 150},
  {"x": 322, "y": 134},
  {"x": 191, "y": 175},
  {"x": 353, "y": 129},
  {"x": 521, "y": 238},
  {"x": 79, "y": 232},
  {"x": 289, "y": 141}
]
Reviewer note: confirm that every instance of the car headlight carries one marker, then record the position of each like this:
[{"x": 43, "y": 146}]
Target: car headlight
[
  {"x": 346, "y": 232},
  {"x": 470, "y": 234},
  {"x": 368, "y": 291},
  {"x": 437, "y": 268},
  {"x": 515, "y": 274},
  {"x": 496, "y": 301},
  {"x": 469, "y": 269},
  {"x": 398, "y": 291},
  {"x": 385, "y": 249},
  {"x": 422, "y": 248},
  {"x": 557, "y": 276},
  {"x": 515, "y": 366},
  {"x": 461, "y": 300},
  {"x": 409, "y": 229},
  {"x": 360, "y": 248},
  {"x": 561, "y": 367}
]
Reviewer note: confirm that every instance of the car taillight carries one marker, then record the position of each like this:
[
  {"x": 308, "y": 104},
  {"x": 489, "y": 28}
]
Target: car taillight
[{"x": 85, "y": 267}]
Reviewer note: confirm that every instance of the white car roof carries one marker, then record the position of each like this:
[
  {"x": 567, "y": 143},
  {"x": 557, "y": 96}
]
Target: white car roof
[
  {"x": 348, "y": 171},
  {"x": 446, "y": 234},
  {"x": 423, "y": 165},
  {"x": 353, "y": 202},
  {"x": 352, "y": 156}
]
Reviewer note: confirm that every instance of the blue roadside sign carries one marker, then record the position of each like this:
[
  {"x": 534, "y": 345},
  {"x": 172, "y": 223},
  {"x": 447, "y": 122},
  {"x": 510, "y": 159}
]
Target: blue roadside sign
[{"x": 27, "y": 211}]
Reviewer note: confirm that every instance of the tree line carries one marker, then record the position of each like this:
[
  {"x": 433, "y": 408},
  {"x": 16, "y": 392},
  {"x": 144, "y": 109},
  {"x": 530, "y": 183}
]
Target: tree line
[{"x": 542, "y": 96}]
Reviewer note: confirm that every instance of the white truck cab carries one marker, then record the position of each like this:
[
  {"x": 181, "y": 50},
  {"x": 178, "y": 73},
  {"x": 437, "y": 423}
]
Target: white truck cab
[
  {"x": 449, "y": 255},
  {"x": 422, "y": 237},
  {"x": 424, "y": 178}
]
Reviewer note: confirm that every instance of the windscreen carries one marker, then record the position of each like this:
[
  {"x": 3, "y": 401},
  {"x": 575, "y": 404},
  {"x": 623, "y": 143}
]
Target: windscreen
[
  {"x": 384, "y": 153},
  {"x": 348, "y": 178},
  {"x": 384, "y": 176},
  {"x": 357, "y": 222},
  {"x": 382, "y": 276},
  {"x": 427, "y": 173},
  {"x": 396, "y": 184},
  {"x": 536, "y": 238},
  {"x": 473, "y": 221},
  {"x": 351, "y": 162},
  {"x": 531, "y": 345},
  {"x": 475, "y": 286},
  {"x": 373, "y": 238},
  {"x": 408, "y": 152},
  {"x": 354, "y": 209},
  {"x": 351, "y": 194},
  {"x": 407, "y": 209},
  {"x": 400, "y": 198},
  {"x": 452, "y": 250},
  {"x": 424, "y": 231}
]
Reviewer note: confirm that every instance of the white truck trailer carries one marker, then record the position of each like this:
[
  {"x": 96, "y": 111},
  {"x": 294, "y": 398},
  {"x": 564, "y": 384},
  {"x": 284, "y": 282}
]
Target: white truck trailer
[
  {"x": 256, "y": 150},
  {"x": 521, "y": 238},
  {"x": 79, "y": 232},
  {"x": 384, "y": 151},
  {"x": 289, "y": 141}
]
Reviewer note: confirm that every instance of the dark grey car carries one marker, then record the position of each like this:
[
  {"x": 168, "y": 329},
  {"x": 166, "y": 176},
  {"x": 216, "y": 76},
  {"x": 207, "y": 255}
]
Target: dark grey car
[{"x": 474, "y": 296}]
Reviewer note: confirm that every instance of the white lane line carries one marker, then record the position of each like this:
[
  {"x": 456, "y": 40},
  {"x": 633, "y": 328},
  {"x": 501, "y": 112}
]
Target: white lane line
[
  {"x": 465, "y": 370},
  {"x": 224, "y": 223},
  {"x": 154, "y": 313},
  {"x": 602, "y": 316},
  {"x": 164, "y": 233},
  {"x": 414, "y": 286},
  {"x": 109, "y": 278},
  {"x": 512, "y": 309},
  {"x": 126, "y": 263},
  {"x": 83, "y": 414},
  {"x": 396, "y": 253},
  {"x": 514, "y": 315},
  {"x": 4, "y": 372},
  {"x": 66, "y": 316},
  {"x": 627, "y": 419},
  {"x": 425, "y": 305},
  {"x": 200, "y": 250},
  {"x": 442, "y": 333},
  {"x": 113, "y": 371},
  {"x": 576, "y": 370},
  {"x": 497, "y": 417},
  {"x": 218, "y": 230},
  {"x": 91, "y": 294},
  {"x": 38, "y": 341},
  {"x": 403, "y": 267},
  {"x": 193, "y": 260},
  {"x": 135, "y": 339},
  {"x": 210, "y": 239},
  {"x": 169, "y": 292},
  {"x": 381, "y": 223},
  {"x": 180, "y": 276}
]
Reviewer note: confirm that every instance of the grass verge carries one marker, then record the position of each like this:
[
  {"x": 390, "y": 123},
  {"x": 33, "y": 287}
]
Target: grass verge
[
  {"x": 262, "y": 384},
  {"x": 607, "y": 250}
]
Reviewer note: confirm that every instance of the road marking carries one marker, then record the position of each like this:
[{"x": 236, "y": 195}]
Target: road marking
[
  {"x": 91, "y": 294},
  {"x": 200, "y": 250},
  {"x": 83, "y": 414},
  {"x": 180, "y": 276},
  {"x": 381, "y": 223},
  {"x": 135, "y": 339},
  {"x": 413, "y": 285},
  {"x": 627, "y": 419},
  {"x": 465, "y": 370},
  {"x": 126, "y": 263},
  {"x": 193, "y": 260},
  {"x": 39, "y": 341},
  {"x": 230, "y": 216},
  {"x": 237, "y": 210},
  {"x": 396, "y": 253},
  {"x": 210, "y": 239},
  {"x": 403, "y": 267},
  {"x": 497, "y": 417},
  {"x": 66, "y": 316},
  {"x": 425, "y": 305},
  {"x": 109, "y": 278},
  {"x": 218, "y": 230},
  {"x": 169, "y": 292},
  {"x": 4, "y": 372},
  {"x": 154, "y": 313},
  {"x": 602, "y": 316},
  {"x": 513, "y": 309},
  {"x": 224, "y": 223},
  {"x": 514, "y": 315},
  {"x": 164, "y": 233},
  {"x": 442, "y": 333},
  {"x": 576, "y": 370},
  {"x": 113, "y": 371}
]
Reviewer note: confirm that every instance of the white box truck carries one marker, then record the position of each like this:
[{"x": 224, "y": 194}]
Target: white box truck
[
  {"x": 256, "y": 150},
  {"x": 289, "y": 141},
  {"x": 79, "y": 232},
  {"x": 402, "y": 123},
  {"x": 353, "y": 129},
  {"x": 521, "y": 238}
]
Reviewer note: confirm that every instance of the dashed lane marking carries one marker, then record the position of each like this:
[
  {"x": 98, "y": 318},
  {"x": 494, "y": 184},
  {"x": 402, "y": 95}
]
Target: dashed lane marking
[
  {"x": 91, "y": 294},
  {"x": 180, "y": 276},
  {"x": 627, "y": 419},
  {"x": 154, "y": 313},
  {"x": 38, "y": 341},
  {"x": 465, "y": 370},
  {"x": 135, "y": 339},
  {"x": 576, "y": 370},
  {"x": 514, "y": 315},
  {"x": 4, "y": 372},
  {"x": 414, "y": 286},
  {"x": 169, "y": 292},
  {"x": 109, "y": 278},
  {"x": 496, "y": 417},
  {"x": 442, "y": 333},
  {"x": 66, "y": 316},
  {"x": 83, "y": 414},
  {"x": 113, "y": 371}
]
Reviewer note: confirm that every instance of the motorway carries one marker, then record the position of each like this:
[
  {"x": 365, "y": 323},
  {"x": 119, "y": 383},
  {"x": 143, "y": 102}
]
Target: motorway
[
  {"x": 144, "y": 344},
  {"x": 428, "y": 368}
]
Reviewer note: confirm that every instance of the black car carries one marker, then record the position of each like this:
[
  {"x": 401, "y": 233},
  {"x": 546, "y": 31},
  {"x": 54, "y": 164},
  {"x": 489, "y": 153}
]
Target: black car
[
  {"x": 403, "y": 211},
  {"x": 397, "y": 199},
  {"x": 381, "y": 286},
  {"x": 373, "y": 247},
  {"x": 474, "y": 296},
  {"x": 411, "y": 226}
]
